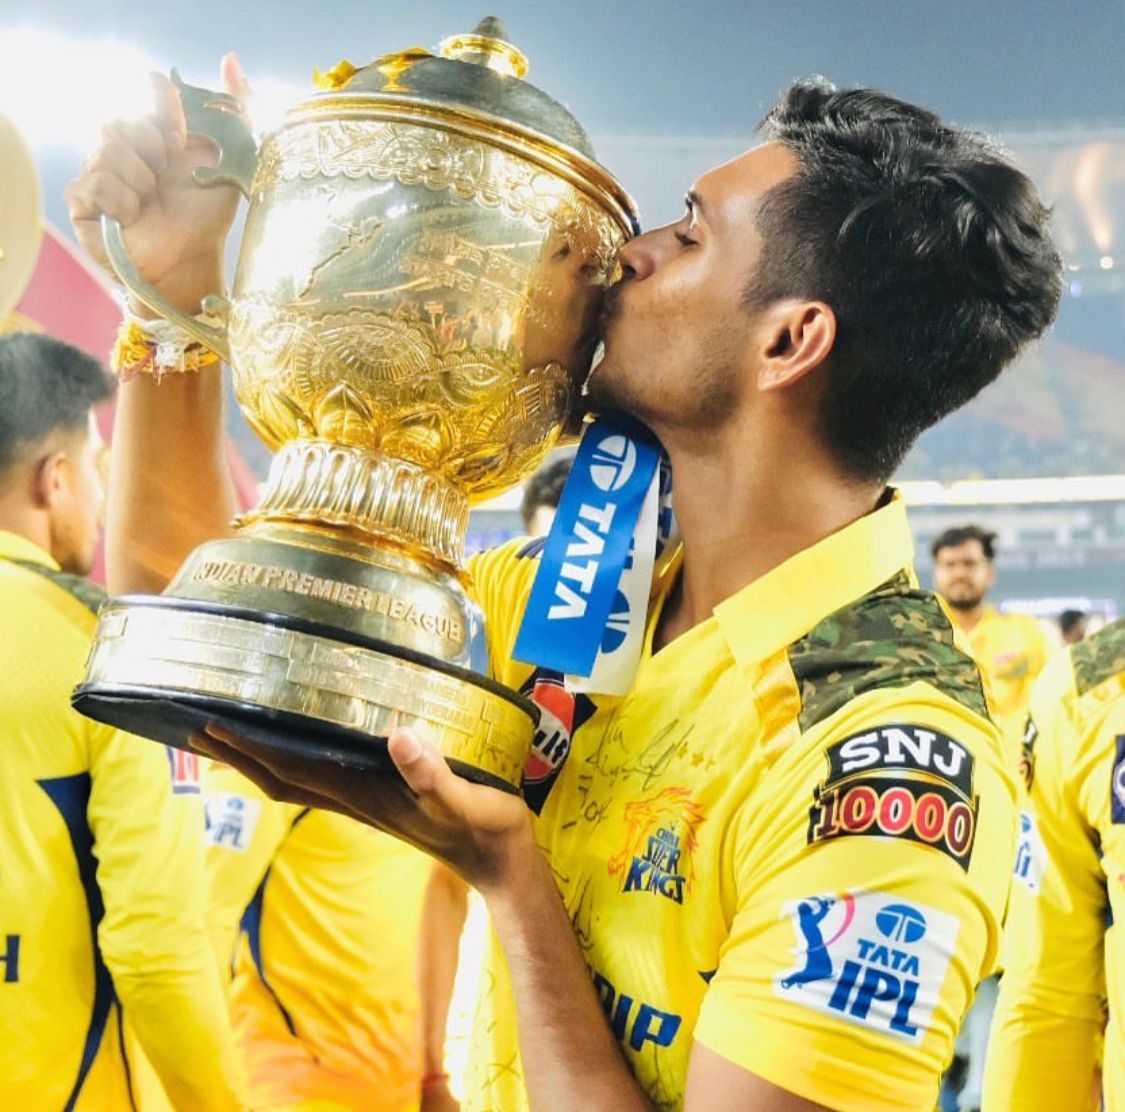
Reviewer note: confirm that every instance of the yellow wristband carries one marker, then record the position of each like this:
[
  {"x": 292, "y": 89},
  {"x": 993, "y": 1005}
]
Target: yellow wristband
[{"x": 136, "y": 353}]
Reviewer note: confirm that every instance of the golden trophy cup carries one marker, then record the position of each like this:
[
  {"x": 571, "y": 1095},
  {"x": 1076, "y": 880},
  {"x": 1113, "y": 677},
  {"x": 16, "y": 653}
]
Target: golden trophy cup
[{"x": 412, "y": 315}]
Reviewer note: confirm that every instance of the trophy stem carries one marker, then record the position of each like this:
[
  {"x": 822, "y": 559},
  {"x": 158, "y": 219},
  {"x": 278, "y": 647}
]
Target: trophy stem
[{"x": 319, "y": 482}]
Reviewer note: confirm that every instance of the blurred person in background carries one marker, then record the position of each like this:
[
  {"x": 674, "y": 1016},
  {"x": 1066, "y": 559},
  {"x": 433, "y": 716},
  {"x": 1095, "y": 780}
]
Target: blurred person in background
[
  {"x": 1011, "y": 649},
  {"x": 316, "y": 917},
  {"x": 1072, "y": 626},
  {"x": 542, "y": 493},
  {"x": 103, "y": 944},
  {"x": 313, "y": 915},
  {"x": 1064, "y": 951}
]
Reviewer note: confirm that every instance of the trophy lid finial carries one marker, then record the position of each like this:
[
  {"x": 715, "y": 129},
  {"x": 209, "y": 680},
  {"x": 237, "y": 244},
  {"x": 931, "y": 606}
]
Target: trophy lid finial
[
  {"x": 486, "y": 45},
  {"x": 491, "y": 27}
]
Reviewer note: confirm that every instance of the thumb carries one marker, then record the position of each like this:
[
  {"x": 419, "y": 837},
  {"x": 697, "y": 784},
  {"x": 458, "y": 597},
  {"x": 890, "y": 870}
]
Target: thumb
[
  {"x": 420, "y": 764},
  {"x": 234, "y": 79},
  {"x": 169, "y": 113}
]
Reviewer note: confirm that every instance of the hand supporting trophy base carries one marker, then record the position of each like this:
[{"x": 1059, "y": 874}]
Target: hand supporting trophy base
[{"x": 412, "y": 314}]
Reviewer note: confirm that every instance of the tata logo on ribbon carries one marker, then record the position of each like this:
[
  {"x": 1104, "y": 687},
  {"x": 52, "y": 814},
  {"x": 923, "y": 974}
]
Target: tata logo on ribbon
[
  {"x": 583, "y": 554},
  {"x": 577, "y": 590},
  {"x": 617, "y": 624},
  {"x": 613, "y": 461}
]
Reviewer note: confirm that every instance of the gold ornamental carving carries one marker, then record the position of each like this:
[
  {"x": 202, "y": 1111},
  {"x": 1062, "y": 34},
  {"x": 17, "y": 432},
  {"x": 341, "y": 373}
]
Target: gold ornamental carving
[{"x": 441, "y": 161}]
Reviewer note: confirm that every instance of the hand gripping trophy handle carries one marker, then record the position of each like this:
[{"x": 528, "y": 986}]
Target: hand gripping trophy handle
[{"x": 217, "y": 117}]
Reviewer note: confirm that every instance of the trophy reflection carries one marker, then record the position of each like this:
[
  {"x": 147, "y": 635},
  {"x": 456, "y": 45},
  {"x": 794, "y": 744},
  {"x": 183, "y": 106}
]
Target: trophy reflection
[{"x": 411, "y": 318}]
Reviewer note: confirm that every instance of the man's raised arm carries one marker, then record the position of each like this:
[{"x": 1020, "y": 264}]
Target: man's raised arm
[{"x": 169, "y": 485}]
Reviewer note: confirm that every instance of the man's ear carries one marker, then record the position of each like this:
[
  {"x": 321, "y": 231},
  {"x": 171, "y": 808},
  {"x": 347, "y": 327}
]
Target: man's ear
[
  {"x": 49, "y": 479},
  {"x": 798, "y": 337}
]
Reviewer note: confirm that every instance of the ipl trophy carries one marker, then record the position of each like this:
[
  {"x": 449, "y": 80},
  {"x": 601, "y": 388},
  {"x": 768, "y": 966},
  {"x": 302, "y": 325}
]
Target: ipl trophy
[{"x": 411, "y": 317}]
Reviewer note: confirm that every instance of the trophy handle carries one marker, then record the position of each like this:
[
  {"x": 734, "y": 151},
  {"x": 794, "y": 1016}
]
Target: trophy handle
[{"x": 218, "y": 117}]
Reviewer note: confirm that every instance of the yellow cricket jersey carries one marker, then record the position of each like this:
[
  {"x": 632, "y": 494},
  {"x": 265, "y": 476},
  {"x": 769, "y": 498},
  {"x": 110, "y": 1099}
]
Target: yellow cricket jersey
[
  {"x": 1064, "y": 946},
  {"x": 789, "y": 841},
  {"x": 1011, "y": 650},
  {"x": 317, "y": 915},
  {"x": 103, "y": 944}
]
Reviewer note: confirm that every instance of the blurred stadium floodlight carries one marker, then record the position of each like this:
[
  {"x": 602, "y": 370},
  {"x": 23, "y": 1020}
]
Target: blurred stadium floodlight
[
  {"x": 60, "y": 91},
  {"x": 1014, "y": 492}
]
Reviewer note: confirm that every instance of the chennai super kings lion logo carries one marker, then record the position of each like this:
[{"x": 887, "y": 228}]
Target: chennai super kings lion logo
[{"x": 660, "y": 841}]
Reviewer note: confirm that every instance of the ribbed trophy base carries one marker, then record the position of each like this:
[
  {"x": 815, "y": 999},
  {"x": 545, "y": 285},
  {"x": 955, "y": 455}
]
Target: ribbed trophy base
[{"x": 165, "y": 667}]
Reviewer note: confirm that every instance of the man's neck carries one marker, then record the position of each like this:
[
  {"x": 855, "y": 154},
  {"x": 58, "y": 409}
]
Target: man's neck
[
  {"x": 741, "y": 514},
  {"x": 25, "y": 521}
]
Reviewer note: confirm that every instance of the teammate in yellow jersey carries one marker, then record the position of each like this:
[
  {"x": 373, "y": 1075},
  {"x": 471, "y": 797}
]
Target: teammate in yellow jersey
[
  {"x": 1065, "y": 956},
  {"x": 318, "y": 914},
  {"x": 102, "y": 939},
  {"x": 1010, "y": 648},
  {"x": 769, "y": 876}
]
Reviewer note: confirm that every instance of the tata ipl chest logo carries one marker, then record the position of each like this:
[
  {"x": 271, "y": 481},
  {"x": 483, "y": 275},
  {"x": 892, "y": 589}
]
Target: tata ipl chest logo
[
  {"x": 660, "y": 840},
  {"x": 871, "y": 959},
  {"x": 229, "y": 820}
]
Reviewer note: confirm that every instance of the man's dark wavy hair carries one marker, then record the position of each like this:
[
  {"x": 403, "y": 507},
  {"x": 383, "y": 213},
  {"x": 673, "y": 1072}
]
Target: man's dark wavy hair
[{"x": 932, "y": 250}]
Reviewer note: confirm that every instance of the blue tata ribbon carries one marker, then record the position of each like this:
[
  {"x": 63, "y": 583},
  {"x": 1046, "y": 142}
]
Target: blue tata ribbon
[{"x": 587, "y": 548}]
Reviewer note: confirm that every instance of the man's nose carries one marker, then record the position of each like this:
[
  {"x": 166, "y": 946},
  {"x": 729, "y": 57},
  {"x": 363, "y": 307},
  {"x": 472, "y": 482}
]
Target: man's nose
[{"x": 637, "y": 258}]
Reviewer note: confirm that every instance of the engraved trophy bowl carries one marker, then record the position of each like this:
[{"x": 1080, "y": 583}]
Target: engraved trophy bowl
[{"x": 412, "y": 314}]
